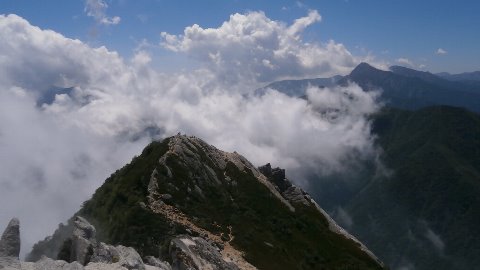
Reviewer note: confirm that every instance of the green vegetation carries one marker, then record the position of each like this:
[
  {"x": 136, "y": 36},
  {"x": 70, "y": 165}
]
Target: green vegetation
[
  {"x": 427, "y": 213},
  {"x": 117, "y": 212}
]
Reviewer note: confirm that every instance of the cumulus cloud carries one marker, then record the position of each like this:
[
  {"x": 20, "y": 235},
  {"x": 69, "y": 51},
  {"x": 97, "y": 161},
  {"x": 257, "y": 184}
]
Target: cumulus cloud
[
  {"x": 441, "y": 51},
  {"x": 38, "y": 59},
  {"x": 97, "y": 9},
  {"x": 252, "y": 47},
  {"x": 104, "y": 109}
]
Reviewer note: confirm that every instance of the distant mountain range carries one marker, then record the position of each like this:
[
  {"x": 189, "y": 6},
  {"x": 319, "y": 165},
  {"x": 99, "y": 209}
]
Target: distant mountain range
[
  {"x": 400, "y": 87},
  {"x": 422, "y": 211},
  {"x": 467, "y": 76}
]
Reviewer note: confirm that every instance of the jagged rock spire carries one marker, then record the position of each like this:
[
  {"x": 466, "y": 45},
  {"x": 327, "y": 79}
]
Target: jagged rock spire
[{"x": 10, "y": 241}]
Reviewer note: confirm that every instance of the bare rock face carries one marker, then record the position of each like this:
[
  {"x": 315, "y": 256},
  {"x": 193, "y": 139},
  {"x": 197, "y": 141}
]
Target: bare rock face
[
  {"x": 86, "y": 253},
  {"x": 10, "y": 241},
  {"x": 195, "y": 253}
]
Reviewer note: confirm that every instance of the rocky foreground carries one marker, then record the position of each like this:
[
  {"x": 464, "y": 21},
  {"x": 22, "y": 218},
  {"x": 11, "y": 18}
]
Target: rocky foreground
[{"x": 83, "y": 252}]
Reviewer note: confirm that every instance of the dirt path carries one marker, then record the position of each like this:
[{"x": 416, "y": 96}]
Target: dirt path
[{"x": 229, "y": 253}]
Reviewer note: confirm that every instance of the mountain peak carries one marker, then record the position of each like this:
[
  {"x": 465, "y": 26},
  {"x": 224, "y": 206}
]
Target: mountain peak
[
  {"x": 365, "y": 70},
  {"x": 363, "y": 67},
  {"x": 196, "y": 153}
]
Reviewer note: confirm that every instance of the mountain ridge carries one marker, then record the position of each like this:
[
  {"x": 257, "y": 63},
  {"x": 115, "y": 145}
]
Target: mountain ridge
[
  {"x": 399, "y": 87},
  {"x": 183, "y": 185}
]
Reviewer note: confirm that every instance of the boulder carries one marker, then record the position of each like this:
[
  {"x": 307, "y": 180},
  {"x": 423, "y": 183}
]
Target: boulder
[
  {"x": 129, "y": 258},
  {"x": 124, "y": 256},
  {"x": 104, "y": 253},
  {"x": 47, "y": 263}
]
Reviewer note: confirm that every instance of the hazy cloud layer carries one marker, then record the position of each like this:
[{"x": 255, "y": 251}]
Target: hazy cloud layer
[{"x": 54, "y": 155}]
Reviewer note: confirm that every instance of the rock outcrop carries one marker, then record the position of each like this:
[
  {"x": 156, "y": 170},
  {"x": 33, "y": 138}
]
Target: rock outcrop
[
  {"x": 289, "y": 191},
  {"x": 81, "y": 252},
  {"x": 10, "y": 241},
  {"x": 86, "y": 253},
  {"x": 10, "y": 246},
  {"x": 83, "y": 241}
]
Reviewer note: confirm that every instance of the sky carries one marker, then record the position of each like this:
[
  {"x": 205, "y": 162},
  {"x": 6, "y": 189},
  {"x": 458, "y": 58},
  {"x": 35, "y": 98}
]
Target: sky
[
  {"x": 429, "y": 35},
  {"x": 86, "y": 85}
]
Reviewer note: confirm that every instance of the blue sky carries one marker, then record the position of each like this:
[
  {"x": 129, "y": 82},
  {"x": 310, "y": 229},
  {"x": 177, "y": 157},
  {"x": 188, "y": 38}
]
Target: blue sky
[{"x": 389, "y": 30}]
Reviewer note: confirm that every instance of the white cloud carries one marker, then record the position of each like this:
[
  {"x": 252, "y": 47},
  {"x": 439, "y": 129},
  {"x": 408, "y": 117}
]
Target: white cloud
[
  {"x": 250, "y": 40},
  {"x": 405, "y": 61},
  {"x": 441, "y": 51},
  {"x": 97, "y": 10},
  {"x": 48, "y": 167},
  {"x": 54, "y": 155}
]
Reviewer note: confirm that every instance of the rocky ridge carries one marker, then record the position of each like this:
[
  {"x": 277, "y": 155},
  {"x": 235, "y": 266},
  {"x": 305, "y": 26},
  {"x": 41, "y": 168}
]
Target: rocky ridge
[
  {"x": 194, "y": 206},
  {"x": 187, "y": 148}
]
